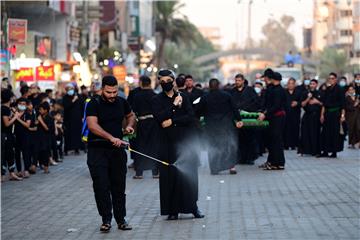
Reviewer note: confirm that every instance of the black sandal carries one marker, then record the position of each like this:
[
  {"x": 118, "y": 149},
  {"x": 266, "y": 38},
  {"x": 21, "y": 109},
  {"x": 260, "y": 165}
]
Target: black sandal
[
  {"x": 105, "y": 227},
  {"x": 124, "y": 226},
  {"x": 270, "y": 167},
  {"x": 263, "y": 165}
]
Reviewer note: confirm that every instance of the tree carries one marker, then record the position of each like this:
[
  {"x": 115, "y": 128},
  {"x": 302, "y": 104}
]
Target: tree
[
  {"x": 278, "y": 38},
  {"x": 171, "y": 28},
  {"x": 334, "y": 60}
]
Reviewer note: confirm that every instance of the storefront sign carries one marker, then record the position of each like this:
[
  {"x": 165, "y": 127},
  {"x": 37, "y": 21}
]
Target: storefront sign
[
  {"x": 17, "y": 31},
  {"x": 24, "y": 74},
  {"x": 120, "y": 73},
  {"x": 45, "y": 73}
]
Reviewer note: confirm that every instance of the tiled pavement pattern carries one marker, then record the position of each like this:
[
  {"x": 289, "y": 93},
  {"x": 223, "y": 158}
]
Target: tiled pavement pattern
[{"x": 311, "y": 199}]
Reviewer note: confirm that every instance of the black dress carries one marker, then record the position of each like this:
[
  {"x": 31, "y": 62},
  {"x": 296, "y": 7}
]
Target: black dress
[
  {"x": 178, "y": 185},
  {"x": 146, "y": 132},
  {"x": 292, "y": 123},
  {"x": 219, "y": 112},
  {"x": 310, "y": 126}
]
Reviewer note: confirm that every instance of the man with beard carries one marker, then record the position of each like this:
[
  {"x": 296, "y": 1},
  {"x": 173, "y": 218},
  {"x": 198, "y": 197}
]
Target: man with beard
[
  {"x": 192, "y": 91},
  {"x": 332, "y": 115},
  {"x": 275, "y": 113},
  {"x": 146, "y": 130},
  {"x": 310, "y": 122},
  {"x": 293, "y": 111},
  {"x": 245, "y": 98},
  {"x": 106, "y": 157},
  {"x": 173, "y": 112},
  {"x": 219, "y": 112},
  {"x": 73, "y": 114}
]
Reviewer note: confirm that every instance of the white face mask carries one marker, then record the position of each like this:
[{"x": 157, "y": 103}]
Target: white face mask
[
  {"x": 357, "y": 80},
  {"x": 307, "y": 82},
  {"x": 21, "y": 107},
  {"x": 257, "y": 90}
]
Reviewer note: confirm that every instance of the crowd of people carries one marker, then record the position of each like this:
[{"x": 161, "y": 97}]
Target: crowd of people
[{"x": 39, "y": 128}]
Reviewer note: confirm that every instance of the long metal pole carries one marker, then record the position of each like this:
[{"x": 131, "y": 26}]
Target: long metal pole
[{"x": 142, "y": 154}]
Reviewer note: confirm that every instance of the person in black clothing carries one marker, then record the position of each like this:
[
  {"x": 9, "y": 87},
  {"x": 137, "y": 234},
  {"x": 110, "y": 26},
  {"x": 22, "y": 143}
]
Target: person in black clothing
[
  {"x": 105, "y": 158},
  {"x": 73, "y": 107},
  {"x": 293, "y": 111},
  {"x": 174, "y": 114},
  {"x": 275, "y": 113},
  {"x": 260, "y": 133},
  {"x": 193, "y": 92},
  {"x": 8, "y": 118},
  {"x": 22, "y": 138},
  {"x": 220, "y": 112},
  {"x": 146, "y": 130},
  {"x": 357, "y": 83},
  {"x": 180, "y": 83},
  {"x": 33, "y": 146},
  {"x": 310, "y": 122},
  {"x": 332, "y": 115},
  {"x": 46, "y": 131},
  {"x": 59, "y": 135},
  {"x": 245, "y": 98}
]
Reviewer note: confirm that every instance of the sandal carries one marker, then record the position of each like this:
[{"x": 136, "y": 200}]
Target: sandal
[
  {"x": 105, "y": 227},
  {"x": 263, "y": 165},
  {"x": 156, "y": 176},
  {"x": 124, "y": 226},
  {"x": 270, "y": 167}
]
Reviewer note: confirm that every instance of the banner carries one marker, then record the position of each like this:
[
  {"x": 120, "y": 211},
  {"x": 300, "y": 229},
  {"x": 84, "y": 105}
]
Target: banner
[
  {"x": 24, "y": 74},
  {"x": 45, "y": 73},
  {"x": 119, "y": 73},
  {"x": 17, "y": 31}
]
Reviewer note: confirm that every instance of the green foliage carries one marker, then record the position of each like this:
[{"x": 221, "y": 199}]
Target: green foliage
[{"x": 333, "y": 60}]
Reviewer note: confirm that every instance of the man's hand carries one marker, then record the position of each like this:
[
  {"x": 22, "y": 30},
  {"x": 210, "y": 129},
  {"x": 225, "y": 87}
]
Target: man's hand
[
  {"x": 178, "y": 100},
  {"x": 39, "y": 118},
  {"x": 261, "y": 117},
  {"x": 322, "y": 118},
  {"x": 117, "y": 142},
  {"x": 239, "y": 124},
  {"x": 309, "y": 95},
  {"x": 166, "y": 123},
  {"x": 314, "y": 101},
  {"x": 75, "y": 98},
  {"x": 342, "y": 119},
  {"x": 294, "y": 104},
  {"x": 129, "y": 130}
]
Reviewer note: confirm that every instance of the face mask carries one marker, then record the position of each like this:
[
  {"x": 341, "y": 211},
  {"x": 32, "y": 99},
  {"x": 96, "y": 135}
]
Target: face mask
[
  {"x": 71, "y": 92},
  {"x": 168, "y": 86},
  {"x": 257, "y": 90},
  {"x": 298, "y": 82},
  {"x": 307, "y": 82},
  {"x": 357, "y": 80},
  {"x": 342, "y": 84},
  {"x": 21, "y": 107}
]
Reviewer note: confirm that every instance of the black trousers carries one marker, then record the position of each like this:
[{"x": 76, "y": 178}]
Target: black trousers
[
  {"x": 22, "y": 151},
  {"x": 59, "y": 146},
  {"x": 44, "y": 156},
  {"x": 276, "y": 144},
  {"x": 7, "y": 153},
  {"x": 108, "y": 171}
]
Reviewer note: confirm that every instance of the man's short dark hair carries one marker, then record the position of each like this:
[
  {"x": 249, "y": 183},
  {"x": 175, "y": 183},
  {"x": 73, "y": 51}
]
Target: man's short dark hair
[
  {"x": 314, "y": 80},
  {"x": 214, "y": 83},
  {"x": 292, "y": 79},
  {"x": 145, "y": 81},
  {"x": 239, "y": 75},
  {"x": 188, "y": 76},
  {"x": 24, "y": 90},
  {"x": 19, "y": 100},
  {"x": 356, "y": 74},
  {"x": 83, "y": 87},
  {"x": 47, "y": 91},
  {"x": 109, "y": 81},
  {"x": 333, "y": 74},
  {"x": 45, "y": 106},
  {"x": 180, "y": 81},
  {"x": 6, "y": 95},
  {"x": 42, "y": 96}
]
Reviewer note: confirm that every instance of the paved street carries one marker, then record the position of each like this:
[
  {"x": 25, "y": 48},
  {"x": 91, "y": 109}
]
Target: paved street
[{"x": 311, "y": 199}]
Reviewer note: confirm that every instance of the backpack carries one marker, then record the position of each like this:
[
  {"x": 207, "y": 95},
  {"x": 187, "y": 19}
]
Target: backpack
[{"x": 85, "y": 128}]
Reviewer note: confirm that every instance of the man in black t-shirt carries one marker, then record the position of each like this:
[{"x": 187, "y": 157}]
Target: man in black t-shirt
[{"x": 106, "y": 159}]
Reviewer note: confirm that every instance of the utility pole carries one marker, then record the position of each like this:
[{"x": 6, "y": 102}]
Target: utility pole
[
  {"x": 248, "y": 42},
  {"x": 84, "y": 23}
]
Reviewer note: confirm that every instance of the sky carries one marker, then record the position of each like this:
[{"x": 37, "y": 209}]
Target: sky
[{"x": 227, "y": 14}]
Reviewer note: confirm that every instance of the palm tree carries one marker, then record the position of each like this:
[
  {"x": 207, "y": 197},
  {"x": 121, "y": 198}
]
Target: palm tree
[{"x": 172, "y": 28}]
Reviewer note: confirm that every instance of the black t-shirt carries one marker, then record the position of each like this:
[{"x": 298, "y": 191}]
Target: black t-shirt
[
  {"x": 5, "y": 111},
  {"x": 110, "y": 117},
  {"x": 20, "y": 130}
]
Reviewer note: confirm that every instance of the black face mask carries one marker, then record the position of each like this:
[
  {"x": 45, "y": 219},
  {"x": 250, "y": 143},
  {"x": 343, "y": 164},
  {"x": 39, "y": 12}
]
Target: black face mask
[{"x": 168, "y": 86}]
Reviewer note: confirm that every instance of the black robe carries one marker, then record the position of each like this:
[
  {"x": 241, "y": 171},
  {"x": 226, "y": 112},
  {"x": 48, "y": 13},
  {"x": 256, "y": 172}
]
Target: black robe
[
  {"x": 130, "y": 100},
  {"x": 353, "y": 120},
  {"x": 219, "y": 112},
  {"x": 246, "y": 100},
  {"x": 292, "y": 123},
  {"x": 310, "y": 126},
  {"x": 194, "y": 94},
  {"x": 73, "y": 114},
  {"x": 178, "y": 184},
  {"x": 333, "y": 101},
  {"x": 146, "y": 131},
  {"x": 275, "y": 100}
]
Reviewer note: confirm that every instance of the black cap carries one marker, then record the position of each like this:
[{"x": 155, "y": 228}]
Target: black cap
[
  {"x": 277, "y": 76},
  {"x": 268, "y": 73},
  {"x": 166, "y": 72}
]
